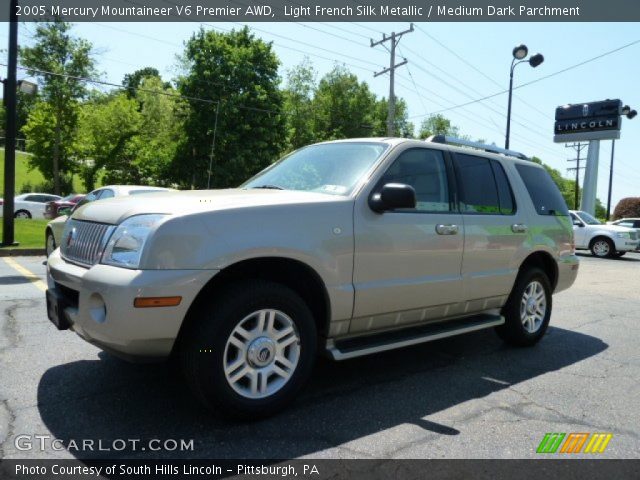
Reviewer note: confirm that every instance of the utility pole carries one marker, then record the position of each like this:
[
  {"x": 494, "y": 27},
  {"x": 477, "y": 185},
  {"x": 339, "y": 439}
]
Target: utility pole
[
  {"x": 394, "y": 39},
  {"x": 10, "y": 86},
  {"x": 578, "y": 147}
]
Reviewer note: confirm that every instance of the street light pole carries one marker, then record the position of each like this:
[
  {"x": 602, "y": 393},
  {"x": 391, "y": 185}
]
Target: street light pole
[
  {"x": 10, "y": 94},
  {"x": 519, "y": 54}
]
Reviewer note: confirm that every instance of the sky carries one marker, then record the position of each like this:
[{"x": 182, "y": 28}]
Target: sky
[{"x": 448, "y": 64}]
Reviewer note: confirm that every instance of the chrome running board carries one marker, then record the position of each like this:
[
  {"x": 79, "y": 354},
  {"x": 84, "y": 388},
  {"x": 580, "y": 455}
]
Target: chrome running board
[{"x": 390, "y": 340}]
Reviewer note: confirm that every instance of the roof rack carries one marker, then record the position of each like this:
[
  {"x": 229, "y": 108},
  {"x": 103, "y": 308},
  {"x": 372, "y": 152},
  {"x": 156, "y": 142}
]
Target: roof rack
[{"x": 480, "y": 146}]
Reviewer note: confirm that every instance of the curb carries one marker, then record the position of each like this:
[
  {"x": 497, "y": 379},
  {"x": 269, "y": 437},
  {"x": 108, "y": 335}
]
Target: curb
[{"x": 22, "y": 252}]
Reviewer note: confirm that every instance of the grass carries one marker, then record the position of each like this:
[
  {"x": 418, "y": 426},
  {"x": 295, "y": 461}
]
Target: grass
[
  {"x": 32, "y": 177},
  {"x": 28, "y": 232}
]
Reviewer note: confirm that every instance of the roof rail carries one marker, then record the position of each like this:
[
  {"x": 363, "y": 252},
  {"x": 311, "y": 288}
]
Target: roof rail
[{"x": 480, "y": 146}]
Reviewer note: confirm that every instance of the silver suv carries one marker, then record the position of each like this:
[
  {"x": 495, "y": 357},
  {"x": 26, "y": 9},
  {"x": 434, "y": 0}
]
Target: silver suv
[{"x": 346, "y": 248}]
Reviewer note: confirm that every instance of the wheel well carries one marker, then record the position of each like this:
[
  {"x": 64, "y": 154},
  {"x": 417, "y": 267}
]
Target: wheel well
[
  {"x": 294, "y": 274},
  {"x": 597, "y": 237},
  {"x": 546, "y": 263}
]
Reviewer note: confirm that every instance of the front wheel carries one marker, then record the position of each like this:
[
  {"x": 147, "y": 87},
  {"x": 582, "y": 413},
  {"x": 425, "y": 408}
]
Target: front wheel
[
  {"x": 22, "y": 214},
  {"x": 50, "y": 243},
  {"x": 602, "y": 248},
  {"x": 251, "y": 350},
  {"x": 528, "y": 309}
]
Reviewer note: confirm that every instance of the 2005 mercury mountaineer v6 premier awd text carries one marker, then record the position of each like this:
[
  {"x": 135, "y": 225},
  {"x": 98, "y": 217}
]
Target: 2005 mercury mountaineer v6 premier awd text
[{"x": 346, "y": 247}]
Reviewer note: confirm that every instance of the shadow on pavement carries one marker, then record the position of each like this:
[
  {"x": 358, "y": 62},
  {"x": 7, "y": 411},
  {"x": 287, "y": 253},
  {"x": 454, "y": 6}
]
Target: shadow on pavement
[{"x": 108, "y": 399}]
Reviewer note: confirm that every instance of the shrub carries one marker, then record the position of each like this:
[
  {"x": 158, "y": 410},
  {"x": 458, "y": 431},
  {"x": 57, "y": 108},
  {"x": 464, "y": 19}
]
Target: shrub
[{"x": 627, "y": 207}]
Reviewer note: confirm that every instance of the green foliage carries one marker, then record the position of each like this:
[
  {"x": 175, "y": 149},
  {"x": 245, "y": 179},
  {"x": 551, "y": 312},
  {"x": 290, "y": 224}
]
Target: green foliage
[
  {"x": 133, "y": 81},
  {"x": 298, "y": 103},
  {"x": 56, "y": 51},
  {"x": 437, "y": 125},
  {"x": 627, "y": 208},
  {"x": 241, "y": 73},
  {"x": 344, "y": 107},
  {"x": 402, "y": 126}
]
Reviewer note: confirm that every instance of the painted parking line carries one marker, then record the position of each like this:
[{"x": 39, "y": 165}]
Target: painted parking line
[{"x": 28, "y": 274}]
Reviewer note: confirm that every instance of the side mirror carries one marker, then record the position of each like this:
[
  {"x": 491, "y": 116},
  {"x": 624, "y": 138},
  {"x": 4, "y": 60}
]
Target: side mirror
[
  {"x": 393, "y": 196},
  {"x": 578, "y": 223}
]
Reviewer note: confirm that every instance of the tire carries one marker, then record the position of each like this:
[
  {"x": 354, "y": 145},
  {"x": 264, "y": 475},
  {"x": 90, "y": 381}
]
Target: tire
[
  {"x": 602, "y": 247},
  {"x": 49, "y": 242},
  {"x": 234, "y": 369},
  {"x": 22, "y": 214},
  {"x": 526, "y": 323}
]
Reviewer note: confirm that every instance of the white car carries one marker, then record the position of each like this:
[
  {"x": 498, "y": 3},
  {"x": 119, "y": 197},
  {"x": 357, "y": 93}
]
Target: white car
[
  {"x": 31, "y": 205},
  {"x": 629, "y": 223},
  {"x": 603, "y": 240},
  {"x": 55, "y": 227}
]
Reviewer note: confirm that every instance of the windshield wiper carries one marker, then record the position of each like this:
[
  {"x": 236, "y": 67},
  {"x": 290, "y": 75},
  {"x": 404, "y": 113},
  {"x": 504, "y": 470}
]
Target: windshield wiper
[{"x": 269, "y": 187}]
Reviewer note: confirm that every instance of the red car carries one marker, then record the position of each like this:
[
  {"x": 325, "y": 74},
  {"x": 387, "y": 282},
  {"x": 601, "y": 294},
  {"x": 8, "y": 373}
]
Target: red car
[{"x": 52, "y": 209}]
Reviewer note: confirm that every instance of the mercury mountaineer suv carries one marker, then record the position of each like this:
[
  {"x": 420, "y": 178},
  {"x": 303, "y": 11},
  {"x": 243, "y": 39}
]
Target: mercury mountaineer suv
[{"x": 346, "y": 247}]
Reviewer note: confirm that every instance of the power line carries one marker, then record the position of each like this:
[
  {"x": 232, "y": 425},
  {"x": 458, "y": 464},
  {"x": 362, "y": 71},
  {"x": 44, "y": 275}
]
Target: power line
[{"x": 592, "y": 59}]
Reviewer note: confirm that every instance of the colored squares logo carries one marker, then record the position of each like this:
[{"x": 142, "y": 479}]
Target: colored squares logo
[{"x": 574, "y": 443}]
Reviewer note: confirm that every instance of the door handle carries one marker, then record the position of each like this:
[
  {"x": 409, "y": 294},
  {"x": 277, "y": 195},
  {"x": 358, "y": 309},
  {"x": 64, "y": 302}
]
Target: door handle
[
  {"x": 519, "y": 228},
  {"x": 446, "y": 229}
]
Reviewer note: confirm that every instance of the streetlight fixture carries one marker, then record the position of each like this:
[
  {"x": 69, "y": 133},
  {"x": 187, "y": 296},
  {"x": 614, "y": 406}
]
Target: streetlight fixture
[{"x": 520, "y": 53}]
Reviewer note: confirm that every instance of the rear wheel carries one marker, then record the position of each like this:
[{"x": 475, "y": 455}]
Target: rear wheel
[
  {"x": 22, "y": 214},
  {"x": 528, "y": 309},
  {"x": 602, "y": 247},
  {"x": 251, "y": 350}
]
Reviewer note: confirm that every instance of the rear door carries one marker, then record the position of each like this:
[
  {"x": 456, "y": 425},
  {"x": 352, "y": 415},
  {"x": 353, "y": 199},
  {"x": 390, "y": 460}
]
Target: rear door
[
  {"x": 496, "y": 231},
  {"x": 407, "y": 262}
]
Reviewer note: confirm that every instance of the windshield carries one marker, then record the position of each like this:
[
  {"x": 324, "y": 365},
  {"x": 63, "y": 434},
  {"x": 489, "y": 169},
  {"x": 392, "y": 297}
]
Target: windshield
[
  {"x": 333, "y": 168},
  {"x": 588, "y": 219},
  {"x": 68, "y": 198}
]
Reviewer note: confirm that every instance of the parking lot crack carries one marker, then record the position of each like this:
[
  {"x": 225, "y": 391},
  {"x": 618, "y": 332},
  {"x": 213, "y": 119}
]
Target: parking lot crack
[{"x": 8, "y": 427}]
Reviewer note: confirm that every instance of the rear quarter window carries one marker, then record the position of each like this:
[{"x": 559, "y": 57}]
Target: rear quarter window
[{"x": 543, "y": 192}]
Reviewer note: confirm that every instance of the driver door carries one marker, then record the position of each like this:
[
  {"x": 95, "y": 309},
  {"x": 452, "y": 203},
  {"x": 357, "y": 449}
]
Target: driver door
[{"x": 407, "y": 265}]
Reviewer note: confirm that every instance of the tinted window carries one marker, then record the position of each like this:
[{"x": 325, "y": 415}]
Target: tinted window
[
  {"x": 478, "y": 190},
  {"x": 544, "y": 194},
  {"x": 31, "y": 198},
  {"x": 106, "y": 193},
  {"x": 425, "y": 171},
  {"x": 505, "y": 195}
]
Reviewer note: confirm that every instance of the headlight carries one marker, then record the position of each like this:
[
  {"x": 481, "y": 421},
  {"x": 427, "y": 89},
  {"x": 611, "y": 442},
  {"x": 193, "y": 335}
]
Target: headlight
[
  {"x": 623, "y": 235},
  {"x": 124, "y": 248}
]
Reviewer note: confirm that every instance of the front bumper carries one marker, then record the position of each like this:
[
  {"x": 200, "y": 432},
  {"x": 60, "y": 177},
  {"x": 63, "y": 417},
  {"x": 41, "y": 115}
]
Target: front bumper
[
  {"x": 625, "y": 244},
  {"x": 98, "y": 303},
  {"x": 567, "y": 272}
]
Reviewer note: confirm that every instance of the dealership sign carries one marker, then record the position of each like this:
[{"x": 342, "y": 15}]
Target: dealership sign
[{"x": 588, "y": 121}]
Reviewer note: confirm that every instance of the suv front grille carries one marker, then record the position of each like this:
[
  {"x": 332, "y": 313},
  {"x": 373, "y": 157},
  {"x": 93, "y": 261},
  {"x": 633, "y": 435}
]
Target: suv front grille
[{"x": 83, "y": 242}]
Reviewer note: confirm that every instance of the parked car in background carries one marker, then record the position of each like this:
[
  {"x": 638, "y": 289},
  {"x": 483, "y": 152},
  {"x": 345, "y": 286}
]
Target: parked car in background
[
  {"x": 52, "y": 209},
  {"x": 603, "y": 240},
  {"x": 53, "y": 231},
  {"x": 629, "y": 223},
  {"x": 30, "y": 205}
]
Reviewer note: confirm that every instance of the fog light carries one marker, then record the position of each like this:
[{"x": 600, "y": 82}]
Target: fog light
[{"x": 97, "y": 308}]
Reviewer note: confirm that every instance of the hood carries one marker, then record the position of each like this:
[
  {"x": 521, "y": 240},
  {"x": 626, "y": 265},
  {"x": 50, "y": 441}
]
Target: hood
[
  {"x": 115, "y": 210},
  {"x": 613, "y": 228}
]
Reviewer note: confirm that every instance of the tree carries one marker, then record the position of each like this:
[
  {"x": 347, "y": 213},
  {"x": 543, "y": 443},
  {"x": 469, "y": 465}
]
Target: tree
[
  {"x": 344, "y": 107},
  {"x": 402, "y": 126},
  {"x": 627, "y": 208},
  {"x": 56, "y": 51},
  {"x": 133, "y": 81},
  {"x": 437, "y": 125},
  {"x": 298, "y": 103},
  {"x": 106, "y": 126},
  {"x": 238, "y": 74}
]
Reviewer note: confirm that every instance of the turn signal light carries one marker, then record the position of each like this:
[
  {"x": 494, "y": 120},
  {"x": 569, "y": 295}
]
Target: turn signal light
[{"x": 149, "y": 302}]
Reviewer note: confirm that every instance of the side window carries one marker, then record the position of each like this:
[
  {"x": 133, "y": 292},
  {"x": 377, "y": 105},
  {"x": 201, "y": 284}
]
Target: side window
[
  {"x": 505, "y": 194},
  {"x": 424, "y": 169},
  {"x": 31, "y": 198},
  {"x": 544, "y": 194},
  {"x": 90, "y": 197},
  {"x": 478, "y": 189},
  {"x": 106, "y": 193}
]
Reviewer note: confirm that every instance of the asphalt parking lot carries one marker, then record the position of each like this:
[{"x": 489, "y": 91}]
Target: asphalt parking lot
[{"x": 465, "y": 397}]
